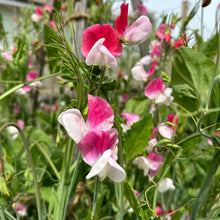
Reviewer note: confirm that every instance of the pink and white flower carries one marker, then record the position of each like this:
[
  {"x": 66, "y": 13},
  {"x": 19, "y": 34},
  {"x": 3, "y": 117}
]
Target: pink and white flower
[
  {"x": 137, "y": 33},
  {"x": 157, "y": 92},
  {"x": 131, "y": 118},
  {"x": 37, "y": 15},
  {"x": 100, "y": 45},
  {"x": 7, "y": 55},
  {"x": 96, "y": 138}
]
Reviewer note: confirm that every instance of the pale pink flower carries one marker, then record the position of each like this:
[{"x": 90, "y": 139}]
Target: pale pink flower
[
  {"x": 131, "y": 118},
  {"x": 52, "y": 24},
  {"x": 96, "y": 138},
  {"x": 161, "y": 31},
  {"x": 7, "y": 56},
  {"x": 159, "y": 211},
  {"x": 137, "y": 33},
  {"x": 100, "y": 45},
  {"x": 20, "y": 123},
  {"x": 48, "y": 8},
  {"x": 166, "y": 185},
  {"x": 166, "y": 131},
  {"x": 35, "y": 17},
  {"x": 155, "y": 48},
  {"x": 157, "y": 91}
]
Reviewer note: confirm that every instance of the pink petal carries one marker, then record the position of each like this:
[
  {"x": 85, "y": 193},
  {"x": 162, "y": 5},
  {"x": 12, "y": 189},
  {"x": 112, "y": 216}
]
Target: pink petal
[
  {"x": 95, "y": 143},
  {"x": 31, "y": 75},
  {"x": 161, "y": 31},
  {"x": 173, "y": 119},
  {"x": 95, "y": 32},
  {"x": 26, "y": 88},
  {"x": 73, "y": 123},
  {"x": 155, "y": 161},
  {"x": 100, "y": 55},
  {"x": 155, "y": 87},
  {"x": 7, "y": 56},
  {"x": 166, "y": 131},
  {"x": 131, "y": 118},
  {"x": 155, "y": 48},
  {"x": 100, "y": 113},
  {"x": 139, "y": 31},
  {"x": 152, "y": 68},
  {"x": 121, "y": 22},
  {"x": 138, "y": 72},
  {"x": 48, "y": 8}
]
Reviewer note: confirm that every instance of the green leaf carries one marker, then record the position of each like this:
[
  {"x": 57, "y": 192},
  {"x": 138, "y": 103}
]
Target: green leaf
[
  {"x": 212, "y": 119},
  {"x": 136, "y": 138},
  {"x": 191, "y": 78},
  {"x": 51, "y": 37},
  {"x": 203, "y": 193},
  {"x": 20, "y": 59},
  {"x": 130, "y": 195},
  {"x": 138, "y": 105},
  {"x": 210, "y": 46},
  {"x": 108, "y": 84}
]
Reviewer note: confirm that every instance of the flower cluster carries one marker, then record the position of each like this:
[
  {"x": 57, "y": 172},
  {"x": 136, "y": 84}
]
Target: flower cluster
[{"x": 101, "y": 44}]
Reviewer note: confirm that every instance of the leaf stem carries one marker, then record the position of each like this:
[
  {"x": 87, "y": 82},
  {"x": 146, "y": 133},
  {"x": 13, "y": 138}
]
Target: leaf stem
[
  {"x": 31, "y": 165},
  {"x": 101, "y": 79},
  {"x": 95, "y": 196}
]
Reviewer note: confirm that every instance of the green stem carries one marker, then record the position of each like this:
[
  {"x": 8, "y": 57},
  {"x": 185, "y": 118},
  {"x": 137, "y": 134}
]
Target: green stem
[
  {"x": 31, "y": 165},
  {"x": 73, "y": 184},
  {"x": 47, "y": 158},
  {"x": 2, "y": 214},
  {"x": 95, "y": 196},
  {"x": 61, "y": 194},
  {"x": 100, "y": 81},
  {"x": 10, "y": 91}
]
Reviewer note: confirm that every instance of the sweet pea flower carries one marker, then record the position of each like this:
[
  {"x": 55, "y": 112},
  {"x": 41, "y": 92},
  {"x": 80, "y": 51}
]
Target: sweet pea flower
[
  {"x": 100, "y": 45},
  {"x": 52, "y": 24},
  {"x": 131, "y": 118},
  {"x": 179, "y": 43},
  {"x": 157, "y": 91},
  {"x": 150, "y": 165},
  {"x": 155, "y": 48},
  {"x": 7, "y": 56},
  {"x": 166, "y": 185},
  {"x": 48, "y": 8},
  {"x": 14, "y": 131},
  {"x": 96, "y": 138},
  {"x": 21, "y": 209},
  {"x": 37, "y": 15},
  {"x": 137, "y": 33},
  {"x": 163, "y": 32},
  {"x": 138, "y": 72},
  {"x": 155, "y": 161}
]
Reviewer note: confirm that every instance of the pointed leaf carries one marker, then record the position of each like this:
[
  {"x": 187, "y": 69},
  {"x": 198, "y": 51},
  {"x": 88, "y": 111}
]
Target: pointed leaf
[{"x": 136, "y": 139}]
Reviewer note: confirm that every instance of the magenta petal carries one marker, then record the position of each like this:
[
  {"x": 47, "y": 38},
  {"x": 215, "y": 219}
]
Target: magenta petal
[
  {"x": 31, "y": 75},
  {"x": 152, "y": 68},
  {"x": 131, "y": 118},
  {"x": 100, "y": 114},
  {"x": 95, "y": 143},
  {"x": 121, "y": 22},
  {"x": 154, "y": 87},
  {"x": 95, "y": 32}
]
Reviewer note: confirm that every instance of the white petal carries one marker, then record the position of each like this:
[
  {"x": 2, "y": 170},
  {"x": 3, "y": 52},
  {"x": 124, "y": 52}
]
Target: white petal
[
  {"x": 165, "y": 185},
  {"x": 74, "y": 124},
  {"x": 165, "y": 131},
  {"x": 138, "y": 72},
  {"x": 99, "y": 168},
  {"x": 142, "y": 163},
  {"x": 114, "y": 171},
  {"x": 100, "y": 55}
]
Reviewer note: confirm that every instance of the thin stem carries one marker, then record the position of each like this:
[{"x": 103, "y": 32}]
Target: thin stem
[
  {"x": 72, "y": 183},
  {"x": 95, "y": 196},
  {"x": 31, "y": 165},
  {"x": 47, "y": 158},
  {"x": 101, "y": 79},
  {"x": 2, "y": 214}
]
